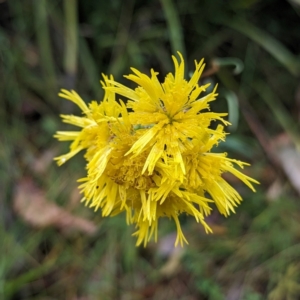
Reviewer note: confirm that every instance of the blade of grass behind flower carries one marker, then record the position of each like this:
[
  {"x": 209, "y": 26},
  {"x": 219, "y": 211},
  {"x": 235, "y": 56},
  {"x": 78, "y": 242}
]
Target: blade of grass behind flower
[
  {"x": 162, "y": 55},
  {"x": 44, "y": 44},
  {"x": 135, "y": 54},
  {"x": 71, "y": 41},
  {"x": 90, "y": 67},
  {"x": 212, "y": 43},
  {"x": 9, "y": 57},
  {"x": 233, "y": 110},
  {"x": 174, "y": 26},
  {"x": 270, "y": 44},
  {"x": 117, "y": 63}
]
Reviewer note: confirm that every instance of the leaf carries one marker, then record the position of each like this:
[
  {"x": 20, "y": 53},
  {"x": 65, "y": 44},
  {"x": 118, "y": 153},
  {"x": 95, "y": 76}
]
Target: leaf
[{"x": 31, "y": 204}]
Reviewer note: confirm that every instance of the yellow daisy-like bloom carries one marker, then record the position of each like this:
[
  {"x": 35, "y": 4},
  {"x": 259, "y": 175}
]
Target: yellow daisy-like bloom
[
  {"x": 170, "y": 110},
  {"x": 154, "y": 161}
]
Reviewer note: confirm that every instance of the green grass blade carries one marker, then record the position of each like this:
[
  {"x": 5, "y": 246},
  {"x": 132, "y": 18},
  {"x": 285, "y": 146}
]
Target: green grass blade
[
  {"x": 70, "y": 59},
  {"x": 175, "y": 29},
  {"x": 270, "y": 44}
]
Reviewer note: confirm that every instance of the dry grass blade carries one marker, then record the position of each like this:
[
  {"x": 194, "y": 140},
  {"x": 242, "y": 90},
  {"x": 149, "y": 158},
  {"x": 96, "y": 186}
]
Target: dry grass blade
[{"x": 289, "y": 158}]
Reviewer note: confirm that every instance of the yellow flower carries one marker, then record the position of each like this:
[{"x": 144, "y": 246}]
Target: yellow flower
[
  {"x": 95, "y": 130},
  {"x": 204, "y": 175},
  {"x": 152, "y": 158},
  {"x": 171, "y": 110}
]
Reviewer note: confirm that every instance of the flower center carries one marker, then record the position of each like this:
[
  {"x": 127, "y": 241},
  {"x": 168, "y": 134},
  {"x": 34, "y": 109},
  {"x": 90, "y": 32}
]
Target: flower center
[{"x": 128, "y": 172}]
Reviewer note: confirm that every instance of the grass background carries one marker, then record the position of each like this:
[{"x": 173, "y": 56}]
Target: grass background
[{"x": 251, "y": 48}]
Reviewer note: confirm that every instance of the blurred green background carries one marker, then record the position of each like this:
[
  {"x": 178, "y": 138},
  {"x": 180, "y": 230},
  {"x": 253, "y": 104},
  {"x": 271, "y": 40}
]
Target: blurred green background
[{"x": 52, "y": 247}]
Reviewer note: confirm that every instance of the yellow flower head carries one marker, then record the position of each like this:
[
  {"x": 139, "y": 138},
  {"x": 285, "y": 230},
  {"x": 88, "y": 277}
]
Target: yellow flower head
[
  {"x": 173, "y": 111},
  {"x": 154, "y": 161}
]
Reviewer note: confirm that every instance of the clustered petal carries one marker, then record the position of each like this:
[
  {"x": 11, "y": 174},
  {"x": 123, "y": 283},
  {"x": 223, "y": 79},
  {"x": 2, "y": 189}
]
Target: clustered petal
[{"x": 151, "y": 157}]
